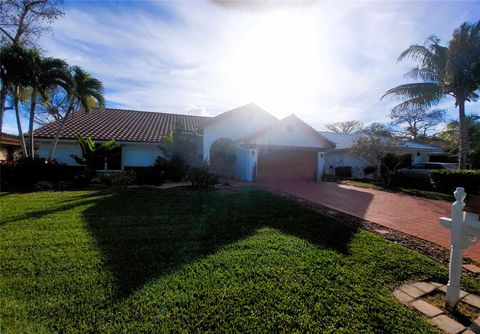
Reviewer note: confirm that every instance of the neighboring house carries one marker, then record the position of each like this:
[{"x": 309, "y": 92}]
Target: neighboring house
[
  {"x": 246, "y": 143},
  {"x": 340, "y": 156},
  {"x": 9, "y": 146}
]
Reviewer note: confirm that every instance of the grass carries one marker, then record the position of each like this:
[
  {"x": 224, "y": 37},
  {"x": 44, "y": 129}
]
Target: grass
[
  {"x": 412, "y": 192},
  {"x": 148, "y": 260}
]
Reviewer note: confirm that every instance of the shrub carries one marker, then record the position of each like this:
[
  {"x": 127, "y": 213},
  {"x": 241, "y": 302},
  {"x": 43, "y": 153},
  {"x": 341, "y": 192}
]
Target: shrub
[
  {"x": 343, "y": 172},
  {"x": 174, "y": 169},
  {"x": 390, "y": 162},
  {"x": 446, "y": 180},
  {"x": 368, "y": 170},
  {"x": 328, "y": 177},
  {"x": 200, "y": 176},
  {"x": 117, "y": 178},
  {"x": 148, "y": 175},
  {"x": 28, "y": 171}
]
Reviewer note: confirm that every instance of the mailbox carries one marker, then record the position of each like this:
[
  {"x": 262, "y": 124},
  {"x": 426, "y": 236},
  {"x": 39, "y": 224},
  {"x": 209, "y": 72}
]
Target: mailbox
[{"x": 464, "y": 227}]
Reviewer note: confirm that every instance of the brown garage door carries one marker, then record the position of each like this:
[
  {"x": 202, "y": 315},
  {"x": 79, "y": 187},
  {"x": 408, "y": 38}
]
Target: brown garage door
[{"x": 278, "y": 165}]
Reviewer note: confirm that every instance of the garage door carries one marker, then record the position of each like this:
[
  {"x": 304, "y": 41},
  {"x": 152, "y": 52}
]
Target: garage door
[{"x": 278, "y": 165}]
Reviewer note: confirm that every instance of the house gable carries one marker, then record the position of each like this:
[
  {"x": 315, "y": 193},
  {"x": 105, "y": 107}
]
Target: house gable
[
  {"x": 235, "y": 124},
  {"x": 291, "y": 132}
]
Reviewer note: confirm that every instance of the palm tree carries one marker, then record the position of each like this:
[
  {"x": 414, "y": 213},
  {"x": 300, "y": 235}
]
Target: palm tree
[
  {"x": 46, "y": 73},
  {"x": 444, "y": 71},
  {"x": 449, "y": 136},
  {"x": 15, "y": 75},
  {"x": 84, "y": 93}
]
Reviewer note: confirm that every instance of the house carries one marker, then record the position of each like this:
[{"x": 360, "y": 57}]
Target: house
[
  {"x": 245, "y": 143},
  {"x": 9, "y": 146},
  {"x": 413, "y": 151}
]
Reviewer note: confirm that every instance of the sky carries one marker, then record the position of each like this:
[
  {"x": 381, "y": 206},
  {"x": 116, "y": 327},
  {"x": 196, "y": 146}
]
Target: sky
[{"x": 322, "y": 61}]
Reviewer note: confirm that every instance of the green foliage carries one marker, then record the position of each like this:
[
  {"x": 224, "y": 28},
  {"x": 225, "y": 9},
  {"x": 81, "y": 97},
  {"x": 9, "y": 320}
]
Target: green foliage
[
  {"x": 27, "y": 171},
  {"x": 200, "y": 176},
  {"x": 156, "y": 261},
  {"x": 342, "y": 173},
  {"x": 390, "y": 163},
  {"x": 450, "y": 139},
  {"x": 94, "y": 154},
  {"x": 371, "y": 148},
  {"x": 181, "y": 143},
  {"x": 446, "y": 180},
  {"x": 442, "y": 71},
  {"x": 368, "y": 170},
  {"x": 174, "y": 169},
  {"x": 117, "y": 178}
]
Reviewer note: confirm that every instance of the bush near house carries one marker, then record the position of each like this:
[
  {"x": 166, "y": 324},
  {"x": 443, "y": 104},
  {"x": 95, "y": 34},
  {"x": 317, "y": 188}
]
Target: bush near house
[
  {"x": 117, "y": 178},
  {"x": 369, "y": 170},
  {"x": 25, "y": 172},
  {"x": 200, "y": 176},
  {"x": 342, "y": 173},
  {"x": 446, "y": 180}
]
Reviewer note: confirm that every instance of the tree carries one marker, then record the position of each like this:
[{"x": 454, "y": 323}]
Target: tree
[
  {"x": 20, "y": 22},
  {"x": 84, "y": 93},
  {"x": 378, "y": 130},
  {"x": 371, "y": 149},
  {"x": 45, "y": 75},
  {"x": 452, "y": 70},
  {"x": 450, "y": 138},
  {"x": 23, "y": 20},
  {"x": 93, "y": 154},
  {"x": 417, "y": 120},
  {"x": 345, "y": 127},
  {"x": 15, "y": 75}
]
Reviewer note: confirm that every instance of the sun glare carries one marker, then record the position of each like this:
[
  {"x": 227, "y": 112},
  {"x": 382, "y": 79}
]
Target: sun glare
[{"x": 277, "y": 62}]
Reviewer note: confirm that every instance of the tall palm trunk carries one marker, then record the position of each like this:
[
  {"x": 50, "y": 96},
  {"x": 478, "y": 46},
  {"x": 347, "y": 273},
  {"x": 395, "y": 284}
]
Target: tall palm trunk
[
  {"x": 19, "y": 124},
  {"x": 3, "y": 100},
  {"x": 462, "y": 155},
  {"x": 59, "y": 131},
  {"x": 33, "y": 103}
]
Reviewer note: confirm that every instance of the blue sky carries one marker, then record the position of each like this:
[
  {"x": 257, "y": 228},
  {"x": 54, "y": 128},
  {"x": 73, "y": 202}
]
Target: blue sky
[{"x": 323, "y": 61}]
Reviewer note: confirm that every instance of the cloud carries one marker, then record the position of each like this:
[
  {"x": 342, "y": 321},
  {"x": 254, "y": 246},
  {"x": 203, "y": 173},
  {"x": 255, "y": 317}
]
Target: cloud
[{"x": 174, "y": 56}]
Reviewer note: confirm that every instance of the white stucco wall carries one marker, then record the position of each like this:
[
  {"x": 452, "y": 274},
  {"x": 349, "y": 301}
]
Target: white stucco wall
[
  {"x": 234, "y": 127},
  {"x": 133, "y": 154},
  {"x": 63, "y": 152},
  {"x": 342, "y": 159},
  {"x": 290, "y": 134},
  {"x": 140, "y": 155}
]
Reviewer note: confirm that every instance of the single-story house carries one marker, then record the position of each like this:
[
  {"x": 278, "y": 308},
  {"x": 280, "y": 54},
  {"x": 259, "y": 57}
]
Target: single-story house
[
  {"x": 245, "y": 143},
  {"x": 340, "y": 156},
  {"x": 9, "y": 146}
]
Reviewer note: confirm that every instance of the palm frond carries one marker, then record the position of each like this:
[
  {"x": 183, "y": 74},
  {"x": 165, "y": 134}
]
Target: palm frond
[{"x": 414, "y": 90}]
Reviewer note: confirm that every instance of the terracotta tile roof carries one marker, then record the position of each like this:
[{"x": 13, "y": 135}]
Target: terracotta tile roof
[
  {"x": 121, "y": 125},
  {"x": 7, "y": 139},
  {"x": 250, "y": 109}
]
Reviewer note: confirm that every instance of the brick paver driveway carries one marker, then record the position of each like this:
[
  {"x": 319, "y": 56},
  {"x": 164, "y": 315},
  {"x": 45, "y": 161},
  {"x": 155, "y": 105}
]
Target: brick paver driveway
[{"x": 412, "y": 215}]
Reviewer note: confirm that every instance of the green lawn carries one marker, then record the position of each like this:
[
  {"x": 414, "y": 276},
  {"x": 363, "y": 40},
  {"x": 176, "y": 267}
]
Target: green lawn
[
  {"x": 412, "y": 192},
  {"x": 147, "y": 260}
]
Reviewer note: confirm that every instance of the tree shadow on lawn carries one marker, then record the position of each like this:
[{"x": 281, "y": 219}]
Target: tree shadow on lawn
[{"x": 148, "y": 233}]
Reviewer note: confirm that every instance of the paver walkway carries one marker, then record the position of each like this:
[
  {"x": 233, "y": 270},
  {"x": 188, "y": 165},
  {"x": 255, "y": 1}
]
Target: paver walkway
[{"x": 412, "y": 215}]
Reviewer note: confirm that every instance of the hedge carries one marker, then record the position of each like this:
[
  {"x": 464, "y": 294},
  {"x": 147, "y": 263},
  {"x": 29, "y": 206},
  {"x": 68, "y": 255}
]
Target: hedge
[{"x": 446, "y": 180}]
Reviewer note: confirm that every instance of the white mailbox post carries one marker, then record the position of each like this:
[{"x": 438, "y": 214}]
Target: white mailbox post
[{"x": 465, "y": 230}]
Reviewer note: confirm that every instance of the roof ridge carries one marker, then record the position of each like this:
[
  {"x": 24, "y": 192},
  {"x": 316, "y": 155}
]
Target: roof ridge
[{"x": 148, "y": 111}]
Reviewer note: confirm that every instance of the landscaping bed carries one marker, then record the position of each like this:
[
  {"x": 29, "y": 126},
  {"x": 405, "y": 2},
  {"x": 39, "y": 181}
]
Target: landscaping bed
[{"x": 175, "y": 260}]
